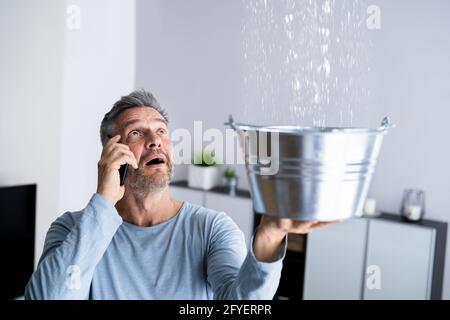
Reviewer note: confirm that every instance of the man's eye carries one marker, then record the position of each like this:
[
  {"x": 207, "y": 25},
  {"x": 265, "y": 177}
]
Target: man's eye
[
  {"x": 162, "y": 131},
  {"x": 135, "y": 133}
]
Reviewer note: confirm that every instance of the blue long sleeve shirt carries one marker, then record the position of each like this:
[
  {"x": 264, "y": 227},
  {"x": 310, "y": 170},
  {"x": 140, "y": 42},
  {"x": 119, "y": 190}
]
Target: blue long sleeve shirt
[{"x": 197, "y": 254}]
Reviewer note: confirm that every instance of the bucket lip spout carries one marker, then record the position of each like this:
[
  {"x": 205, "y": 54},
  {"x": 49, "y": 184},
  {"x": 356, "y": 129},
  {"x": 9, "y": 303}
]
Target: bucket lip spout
[{"x": 385, "y": 125}]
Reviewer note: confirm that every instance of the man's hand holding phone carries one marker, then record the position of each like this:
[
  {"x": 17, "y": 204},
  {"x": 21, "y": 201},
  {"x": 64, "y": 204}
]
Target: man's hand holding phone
[{"x": 114, "y": 155}]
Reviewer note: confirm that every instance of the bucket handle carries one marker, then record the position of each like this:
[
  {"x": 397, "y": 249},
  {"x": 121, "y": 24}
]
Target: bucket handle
[
  {"x": 386, "y": 124},
  {"x": 231, "y": 123}
]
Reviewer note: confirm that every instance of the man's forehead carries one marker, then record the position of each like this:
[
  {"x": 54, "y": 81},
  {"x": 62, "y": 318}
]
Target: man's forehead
[{"x": 141, "y": 114}]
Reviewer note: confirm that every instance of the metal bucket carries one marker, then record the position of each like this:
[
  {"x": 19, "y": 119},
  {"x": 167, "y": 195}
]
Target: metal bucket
[{"x": 314, "y": 174}]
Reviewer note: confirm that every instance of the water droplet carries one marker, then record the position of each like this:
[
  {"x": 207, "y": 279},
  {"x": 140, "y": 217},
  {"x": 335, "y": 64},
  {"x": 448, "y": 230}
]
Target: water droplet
[
  {"x": 326, "y": 67},
  {"x": 288, "y": 61},
  {"x": 289, "y": 17},
  {"x": 327, "y": 7}
]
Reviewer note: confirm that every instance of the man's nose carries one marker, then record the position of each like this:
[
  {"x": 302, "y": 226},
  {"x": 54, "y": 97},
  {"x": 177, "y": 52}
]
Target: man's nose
[{"x": 153, "y": 141}]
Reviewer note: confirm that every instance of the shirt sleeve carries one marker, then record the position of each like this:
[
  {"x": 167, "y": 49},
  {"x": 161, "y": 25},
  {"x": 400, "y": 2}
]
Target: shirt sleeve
[
  {"x": 73, "y": 247},
  {"x": 234, "y": 272}
]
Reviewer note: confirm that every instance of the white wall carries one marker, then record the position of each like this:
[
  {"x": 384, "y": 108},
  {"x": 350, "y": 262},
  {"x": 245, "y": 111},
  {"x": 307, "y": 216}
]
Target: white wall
[
  {"x": 190, "y": 55},
  {"x": 99, "y": 67},
  {"x": 412, "y": 85},
  {"x": 31, "y": 73},
  {"x": 56, "y": 85}
]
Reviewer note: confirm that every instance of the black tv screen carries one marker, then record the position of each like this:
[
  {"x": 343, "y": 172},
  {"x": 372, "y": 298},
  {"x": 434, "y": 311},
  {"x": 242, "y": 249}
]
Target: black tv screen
[{"x": 17, "y": 225}]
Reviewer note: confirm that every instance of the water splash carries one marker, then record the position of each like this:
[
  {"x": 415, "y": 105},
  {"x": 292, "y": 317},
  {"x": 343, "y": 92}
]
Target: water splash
[{"x": 306, "y": 61}]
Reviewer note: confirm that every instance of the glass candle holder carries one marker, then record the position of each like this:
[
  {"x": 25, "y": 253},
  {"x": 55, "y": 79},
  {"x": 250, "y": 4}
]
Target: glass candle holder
[{"x": 413, "y": 205}]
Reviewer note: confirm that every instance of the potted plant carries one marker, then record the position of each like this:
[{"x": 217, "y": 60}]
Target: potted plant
[
  {"x": 231, "y": 179},
  {"x": 204, "y": 171}
]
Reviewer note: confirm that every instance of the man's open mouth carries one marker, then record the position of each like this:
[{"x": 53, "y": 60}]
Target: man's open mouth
[{"x": 155, "y": 161}]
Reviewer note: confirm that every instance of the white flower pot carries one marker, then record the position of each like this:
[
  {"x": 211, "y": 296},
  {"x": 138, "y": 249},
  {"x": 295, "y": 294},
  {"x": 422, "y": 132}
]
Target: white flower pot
[{"x": 203, "y": 177}]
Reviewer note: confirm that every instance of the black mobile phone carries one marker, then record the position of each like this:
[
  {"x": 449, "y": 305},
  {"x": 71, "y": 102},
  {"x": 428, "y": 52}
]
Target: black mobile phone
[{"x": 122, "y": 171}]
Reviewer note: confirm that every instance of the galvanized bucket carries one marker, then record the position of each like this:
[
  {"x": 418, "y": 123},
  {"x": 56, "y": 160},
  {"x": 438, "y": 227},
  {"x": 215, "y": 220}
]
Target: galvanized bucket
[{"x": 313, "y": 174}]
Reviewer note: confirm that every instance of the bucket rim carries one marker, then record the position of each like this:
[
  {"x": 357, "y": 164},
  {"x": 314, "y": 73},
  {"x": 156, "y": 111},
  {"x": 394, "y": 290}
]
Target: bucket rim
[{"x": 299, "y": 130}]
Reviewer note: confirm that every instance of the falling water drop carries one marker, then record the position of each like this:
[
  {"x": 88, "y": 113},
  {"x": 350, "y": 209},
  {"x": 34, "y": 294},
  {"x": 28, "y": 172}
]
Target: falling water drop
[{"x": 305, "y": 61}]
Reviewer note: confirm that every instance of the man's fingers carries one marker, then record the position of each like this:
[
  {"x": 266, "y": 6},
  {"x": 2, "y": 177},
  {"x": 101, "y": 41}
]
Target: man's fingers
[
  {"x": 300, "y": 227},
  {"x": 295, "y": 226},
  {"x": 307, "y": 226},
  {"x": 302, "y": 224},
  {"x": 113, "y": 140},
  {"x": 113, "y": 152},
  {"x": 119, "y": 149},
  {"x": 322, "y": 224},
  {"x": 110, "y": 148},
  {"x": 117, "y": 157},
  {"x": 131, "y": 158},
  {"x": 122, "y": 158}
]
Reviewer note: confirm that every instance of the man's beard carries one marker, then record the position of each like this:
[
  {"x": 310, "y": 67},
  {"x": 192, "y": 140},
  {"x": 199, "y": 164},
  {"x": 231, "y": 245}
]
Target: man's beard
[{"x": 140, "y": 182}]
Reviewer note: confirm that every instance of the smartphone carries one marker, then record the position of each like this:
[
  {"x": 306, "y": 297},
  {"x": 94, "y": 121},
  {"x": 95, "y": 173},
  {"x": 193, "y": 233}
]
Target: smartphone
[{"x": 122, "y": 171}]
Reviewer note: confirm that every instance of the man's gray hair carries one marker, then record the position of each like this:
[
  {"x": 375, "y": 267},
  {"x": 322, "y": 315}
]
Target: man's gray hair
[{"x": 138, "y": 98}]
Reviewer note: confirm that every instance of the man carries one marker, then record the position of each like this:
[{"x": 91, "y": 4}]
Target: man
[{"x": 137, "y": 242}]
